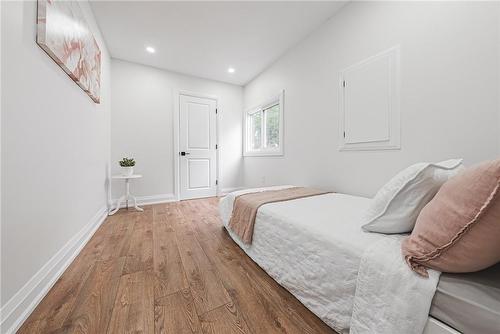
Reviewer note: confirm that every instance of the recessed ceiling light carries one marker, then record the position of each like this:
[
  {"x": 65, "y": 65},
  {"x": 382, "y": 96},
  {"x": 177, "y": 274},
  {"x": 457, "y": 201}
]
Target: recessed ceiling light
[
  {"x": 231, "y": 70},
  {"x": 150, "y": 49}
]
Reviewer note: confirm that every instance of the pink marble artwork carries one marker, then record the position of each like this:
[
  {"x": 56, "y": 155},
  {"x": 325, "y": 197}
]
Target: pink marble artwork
[{"x": 64, "y": 34}]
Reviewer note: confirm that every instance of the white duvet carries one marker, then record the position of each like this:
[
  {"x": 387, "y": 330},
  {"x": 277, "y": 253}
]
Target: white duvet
[{"x": 351, "y": 279}]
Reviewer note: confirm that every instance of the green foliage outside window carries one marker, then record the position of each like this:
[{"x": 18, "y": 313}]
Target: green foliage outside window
[{"x": 272, "y": 126}]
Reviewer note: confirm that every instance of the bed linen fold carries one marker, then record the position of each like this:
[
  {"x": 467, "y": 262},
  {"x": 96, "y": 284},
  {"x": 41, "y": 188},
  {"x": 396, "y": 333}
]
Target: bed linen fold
[
  {"x": 389, "y": 297},
  {"x": 245, "y": 207}
]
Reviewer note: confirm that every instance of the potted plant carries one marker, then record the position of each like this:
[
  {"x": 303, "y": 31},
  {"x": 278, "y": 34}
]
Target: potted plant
[{"x": 127, "y": 165}]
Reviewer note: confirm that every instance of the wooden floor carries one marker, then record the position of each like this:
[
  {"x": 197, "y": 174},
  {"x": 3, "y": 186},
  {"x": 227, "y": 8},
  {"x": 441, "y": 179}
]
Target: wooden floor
[{"x": 171, "y": 269}]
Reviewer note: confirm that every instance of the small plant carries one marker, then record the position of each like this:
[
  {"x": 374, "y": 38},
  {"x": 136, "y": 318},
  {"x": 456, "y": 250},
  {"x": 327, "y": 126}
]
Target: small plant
[{"x": 127, "y": 162}]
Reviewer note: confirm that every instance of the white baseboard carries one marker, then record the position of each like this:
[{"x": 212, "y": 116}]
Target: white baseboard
[
  {"x": 20, "y": 306},
  {"x": 148, "y": 200},
  {"x": 225, "y": 191},
  {"x": 435, "y": 326}
]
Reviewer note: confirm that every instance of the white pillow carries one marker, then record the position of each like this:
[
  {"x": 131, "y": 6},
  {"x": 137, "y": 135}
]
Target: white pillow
[{"x": 396, "y": 206}]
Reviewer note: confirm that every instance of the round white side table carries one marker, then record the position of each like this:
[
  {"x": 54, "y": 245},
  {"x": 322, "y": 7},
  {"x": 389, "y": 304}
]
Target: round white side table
[{"x": 127, "y": 195}]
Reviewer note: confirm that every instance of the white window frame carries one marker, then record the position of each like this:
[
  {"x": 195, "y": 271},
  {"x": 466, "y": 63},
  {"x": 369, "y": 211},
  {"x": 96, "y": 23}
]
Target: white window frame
[{"x": 247, "y": 152}]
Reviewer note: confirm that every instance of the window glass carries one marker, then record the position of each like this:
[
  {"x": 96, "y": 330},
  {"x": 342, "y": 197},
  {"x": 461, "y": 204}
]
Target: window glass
[
  {"x": 263, "y": 129},
  {"x": 272, "y": 123},
  {"x": 255, "y": 131}
]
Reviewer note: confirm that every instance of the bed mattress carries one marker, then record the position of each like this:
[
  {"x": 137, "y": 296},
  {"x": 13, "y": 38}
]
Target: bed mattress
[
  {"x": 470, "y": 303},
  {"x": 312, "y": 247}
]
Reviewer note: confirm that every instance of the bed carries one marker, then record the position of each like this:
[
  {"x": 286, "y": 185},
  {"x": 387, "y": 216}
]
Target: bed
[
  {"x": 469, "y": 303},
  {"x": 315, "y": 248},
  {"x": 313, "y": 281}
]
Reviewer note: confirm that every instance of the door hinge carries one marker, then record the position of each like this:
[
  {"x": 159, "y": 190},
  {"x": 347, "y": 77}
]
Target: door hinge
[
  {"x": 343, "y": 83},
  {"x": 216, "y": 182},
  {"x": 216, "y": 110},
  {"x": 344, "y": 134},
  {"x": 216, "y": 146}
]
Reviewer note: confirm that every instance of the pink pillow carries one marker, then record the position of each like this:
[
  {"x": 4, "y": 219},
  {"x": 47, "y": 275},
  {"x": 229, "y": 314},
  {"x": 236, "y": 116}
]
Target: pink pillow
[{"x": 459, "y": 229}]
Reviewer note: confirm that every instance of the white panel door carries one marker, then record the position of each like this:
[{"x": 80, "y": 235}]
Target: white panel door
[{"x": 197, "y": 147}]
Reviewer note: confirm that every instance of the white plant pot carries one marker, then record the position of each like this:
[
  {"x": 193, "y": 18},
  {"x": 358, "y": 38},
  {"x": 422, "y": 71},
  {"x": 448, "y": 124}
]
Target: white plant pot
[{"x": 127, "y": 171}]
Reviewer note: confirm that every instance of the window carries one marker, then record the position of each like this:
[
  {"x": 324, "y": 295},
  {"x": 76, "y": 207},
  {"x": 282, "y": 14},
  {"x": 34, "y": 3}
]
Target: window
[{"x": 264, "y": 129}]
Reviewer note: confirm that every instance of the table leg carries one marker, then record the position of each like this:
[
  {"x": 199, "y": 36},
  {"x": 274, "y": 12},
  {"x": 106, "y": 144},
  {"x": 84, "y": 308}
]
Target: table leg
[
  {"x": 126, "y": 198},
  {"x": 127, "y": 186},
  {"x": 117, "y": 206},
  {"x": 135, "y": 204}
]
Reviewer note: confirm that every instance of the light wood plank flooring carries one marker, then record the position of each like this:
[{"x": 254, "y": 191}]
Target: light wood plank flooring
[{"x": 171, "y": 269}]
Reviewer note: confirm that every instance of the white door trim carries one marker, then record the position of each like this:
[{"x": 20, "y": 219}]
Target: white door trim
[{"x": 176, "y": 126}]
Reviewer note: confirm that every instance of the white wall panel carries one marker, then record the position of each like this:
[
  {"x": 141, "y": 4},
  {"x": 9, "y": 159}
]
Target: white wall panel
[
  {"x": 449, "y": 65},
  {"x": 55, "y": 148}
]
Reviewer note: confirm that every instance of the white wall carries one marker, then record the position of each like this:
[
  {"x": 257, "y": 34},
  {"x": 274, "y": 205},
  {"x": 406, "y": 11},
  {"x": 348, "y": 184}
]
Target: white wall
[
  {"x": 142, "y": 126},
  {"x": 55, "y": 149},
  {"x": 449, "y": 93},
  {"x": 498, "y": 78}
]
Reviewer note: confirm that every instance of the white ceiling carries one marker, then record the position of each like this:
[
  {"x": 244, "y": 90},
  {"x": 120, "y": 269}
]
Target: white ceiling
[{"x": 204, "y": 39}]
